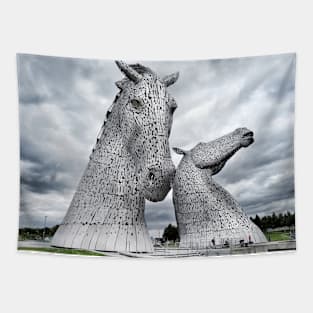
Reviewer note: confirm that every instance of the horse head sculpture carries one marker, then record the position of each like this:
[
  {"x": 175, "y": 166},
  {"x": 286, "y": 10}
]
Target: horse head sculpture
[
  {"x": 145, "y": 117},
  {"x": 205, "y": 211},
  {"x": 214, "y": 154},
  {"x": 130, "y": 162}
]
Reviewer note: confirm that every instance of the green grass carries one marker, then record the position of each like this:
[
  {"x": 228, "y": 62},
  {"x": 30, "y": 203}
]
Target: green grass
[
  {"x": 60, "y": 250},
  {"x": 277, "y": 236}
]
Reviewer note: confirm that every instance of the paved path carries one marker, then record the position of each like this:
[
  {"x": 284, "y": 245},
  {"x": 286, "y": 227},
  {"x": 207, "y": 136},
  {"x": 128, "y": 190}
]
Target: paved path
[
  {"x": 178, "y": 252},
  {"x": 34, "y": 243}
]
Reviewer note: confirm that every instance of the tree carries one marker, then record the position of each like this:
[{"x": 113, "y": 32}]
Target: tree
[
  {"x": 170, "y": 233},
  {"x": 257, "y": 221},
  {"x": 273, "y": 221},
  {"x": 280, "y": 221},
  {"x": 28, "y": 233}
]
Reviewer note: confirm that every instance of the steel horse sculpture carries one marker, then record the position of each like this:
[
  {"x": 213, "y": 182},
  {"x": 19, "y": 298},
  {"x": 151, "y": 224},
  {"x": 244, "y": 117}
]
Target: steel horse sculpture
[
  {"x": 207, "y": 214},
  {"x": 131, "y": 162}
]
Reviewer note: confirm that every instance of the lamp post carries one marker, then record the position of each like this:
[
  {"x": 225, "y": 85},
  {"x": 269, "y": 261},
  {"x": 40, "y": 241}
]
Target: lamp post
[{"x": 44, "y": 228}]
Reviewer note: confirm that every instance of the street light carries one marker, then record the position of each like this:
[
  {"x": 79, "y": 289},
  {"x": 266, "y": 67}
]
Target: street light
[{"x": 44, "y": 228}]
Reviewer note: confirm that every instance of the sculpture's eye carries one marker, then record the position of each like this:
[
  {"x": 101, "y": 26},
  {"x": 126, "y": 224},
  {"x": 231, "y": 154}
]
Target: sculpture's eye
[{"x": 136, "y": 104}]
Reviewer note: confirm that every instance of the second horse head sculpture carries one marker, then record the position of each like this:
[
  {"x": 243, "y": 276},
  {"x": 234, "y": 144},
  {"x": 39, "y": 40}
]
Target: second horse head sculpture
[{"x": 206, "y": 213}]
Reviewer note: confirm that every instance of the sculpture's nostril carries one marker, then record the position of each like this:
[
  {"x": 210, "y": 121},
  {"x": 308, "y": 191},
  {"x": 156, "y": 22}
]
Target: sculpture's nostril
[
  {"x": 151, "y": 176},
  {"x": 248, "y": 134}
]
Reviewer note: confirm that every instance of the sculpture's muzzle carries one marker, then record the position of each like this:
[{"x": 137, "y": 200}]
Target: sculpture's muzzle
[{"x": 158, "y": 180}]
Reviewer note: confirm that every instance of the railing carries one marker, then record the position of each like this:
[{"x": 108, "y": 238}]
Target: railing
[{"x": 222, "y": 250}]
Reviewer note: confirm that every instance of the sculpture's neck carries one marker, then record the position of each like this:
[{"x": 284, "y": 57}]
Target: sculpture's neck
[
  {"x": 118, "y": 168},
  {"x": 111, "y": 142},
  {"x": 188, "y": 162}
]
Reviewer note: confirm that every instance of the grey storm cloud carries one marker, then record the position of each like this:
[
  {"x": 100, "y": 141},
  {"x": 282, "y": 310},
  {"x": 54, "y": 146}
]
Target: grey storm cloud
[{"x": 63, "y": 102}]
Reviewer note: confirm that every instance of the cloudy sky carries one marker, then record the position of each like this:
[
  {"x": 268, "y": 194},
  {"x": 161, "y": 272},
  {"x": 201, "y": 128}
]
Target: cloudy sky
[{"x": 63, "y": 102}]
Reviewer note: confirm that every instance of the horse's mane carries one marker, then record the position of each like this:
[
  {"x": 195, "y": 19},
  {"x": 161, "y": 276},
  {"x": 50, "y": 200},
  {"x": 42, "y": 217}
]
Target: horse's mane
[{"x": 120, "y": 84}]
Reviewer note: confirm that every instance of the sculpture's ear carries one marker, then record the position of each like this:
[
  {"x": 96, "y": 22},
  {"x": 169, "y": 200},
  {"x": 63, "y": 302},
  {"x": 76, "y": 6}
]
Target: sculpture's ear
[
  {"x": 121, "y": 84},
  {"x": 132, "y": 74},
  {"x": 170, "y": 79},
  {"x": 179, "y": 151}
]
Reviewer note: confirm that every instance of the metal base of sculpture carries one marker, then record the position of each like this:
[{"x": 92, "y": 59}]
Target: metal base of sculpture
[
  {"x": 207, "y": 215},
  {"x": 130, "y": 163}
]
